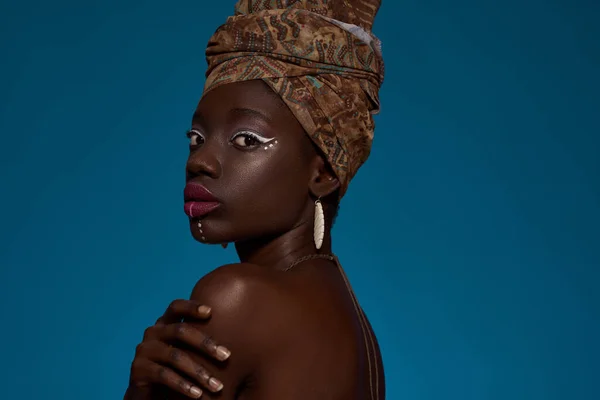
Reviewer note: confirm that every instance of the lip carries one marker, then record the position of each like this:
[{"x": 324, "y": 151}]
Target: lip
[
  {"x": 198, "y": 193},
  {"x": 197, "y": 209},
  {"x": 198, "y": 200}
]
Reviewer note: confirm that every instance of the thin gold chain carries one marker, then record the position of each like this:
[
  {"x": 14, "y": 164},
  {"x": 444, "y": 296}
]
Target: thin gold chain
[{"x": 329, "y": 257}]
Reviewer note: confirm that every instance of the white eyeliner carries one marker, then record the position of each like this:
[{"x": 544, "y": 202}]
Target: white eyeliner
[
  {"x": 192, "y": 133},
  {"x": 261, "y": 139}
]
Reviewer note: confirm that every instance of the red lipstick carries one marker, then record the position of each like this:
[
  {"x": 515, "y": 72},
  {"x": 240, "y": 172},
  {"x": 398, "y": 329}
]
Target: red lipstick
[{"x": 199, "y": 201}]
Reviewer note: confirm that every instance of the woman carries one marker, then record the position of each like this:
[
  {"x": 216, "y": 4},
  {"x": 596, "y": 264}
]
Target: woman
[{"x": 283, "y": 125}]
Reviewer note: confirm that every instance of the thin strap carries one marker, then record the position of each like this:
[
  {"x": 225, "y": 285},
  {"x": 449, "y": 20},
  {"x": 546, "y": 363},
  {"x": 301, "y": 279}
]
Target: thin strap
[
  {"x": 364, "y": 327},
  {"x": 362, "y": 319}
]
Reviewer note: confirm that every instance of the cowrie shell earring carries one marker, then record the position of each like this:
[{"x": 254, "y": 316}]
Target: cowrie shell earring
[{"x": 319, "y": 228}]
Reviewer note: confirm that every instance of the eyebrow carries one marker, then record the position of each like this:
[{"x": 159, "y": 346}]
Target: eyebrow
[
  {"x": 250, "y": 113},
  {"x": 198, "y": 118}
]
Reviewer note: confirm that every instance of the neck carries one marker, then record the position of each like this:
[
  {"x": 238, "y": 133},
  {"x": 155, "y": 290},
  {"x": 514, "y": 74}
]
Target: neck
[{"x": 281, "y": 251}]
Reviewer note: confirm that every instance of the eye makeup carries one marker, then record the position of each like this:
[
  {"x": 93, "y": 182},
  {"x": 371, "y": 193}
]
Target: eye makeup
[
  {"x": 242, "y": 139},
  {"x": 248, "y": 140},
  {"x": 195, "y": 137},
  {"x": 260, "y": 139},
  {"x": 270, "y": 145}
]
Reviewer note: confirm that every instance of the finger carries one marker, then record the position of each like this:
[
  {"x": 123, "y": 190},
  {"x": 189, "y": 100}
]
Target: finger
[
  {"x": 174, "y": 381},
  {"x": 151, "y": 332},
  {"x": 196, "y": 339},
  {"x": 179, "y": 309},
  {"x": 178, "y": 361},
  {"x": 181, "y": 361},
  {"x": 146, "y": 371}
]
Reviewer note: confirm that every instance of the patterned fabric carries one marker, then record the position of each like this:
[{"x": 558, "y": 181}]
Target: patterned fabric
[{"x": 320, "y": 57}]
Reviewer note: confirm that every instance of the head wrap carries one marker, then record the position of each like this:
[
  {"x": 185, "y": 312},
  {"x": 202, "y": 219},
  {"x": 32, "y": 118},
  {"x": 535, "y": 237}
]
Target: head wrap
[{"x": 320, "y": 57}]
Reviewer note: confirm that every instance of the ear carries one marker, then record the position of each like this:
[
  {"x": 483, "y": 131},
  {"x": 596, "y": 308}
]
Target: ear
[{"x": 323, "y": 181}]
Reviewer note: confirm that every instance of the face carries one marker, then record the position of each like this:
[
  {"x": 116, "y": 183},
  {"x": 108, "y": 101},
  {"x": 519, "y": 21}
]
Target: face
[{"x": 248, "y": 169}]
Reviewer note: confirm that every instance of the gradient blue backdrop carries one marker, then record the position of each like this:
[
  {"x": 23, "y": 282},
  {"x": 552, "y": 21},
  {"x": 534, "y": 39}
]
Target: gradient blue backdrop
[{"x": 471, "y": 235}]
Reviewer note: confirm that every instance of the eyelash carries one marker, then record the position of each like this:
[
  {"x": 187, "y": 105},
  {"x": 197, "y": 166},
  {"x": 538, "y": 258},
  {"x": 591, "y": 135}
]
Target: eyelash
[
  {"x": 189, "y": 134},
  {"x": 260, "y": 139}
]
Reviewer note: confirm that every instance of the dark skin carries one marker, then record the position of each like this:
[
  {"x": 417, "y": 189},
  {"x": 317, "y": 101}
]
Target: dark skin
[{"x": 291, "y": 335}]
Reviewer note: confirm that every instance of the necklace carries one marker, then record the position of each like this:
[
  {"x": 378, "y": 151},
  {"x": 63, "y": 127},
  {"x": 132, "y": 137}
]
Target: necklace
[{"x": 329, "y": 257}]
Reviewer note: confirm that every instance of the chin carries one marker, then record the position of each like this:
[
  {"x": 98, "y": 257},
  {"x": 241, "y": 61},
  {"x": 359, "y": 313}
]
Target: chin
[
  {"x": 207, "y": 231},
  {"x": 218, "y": 229}
]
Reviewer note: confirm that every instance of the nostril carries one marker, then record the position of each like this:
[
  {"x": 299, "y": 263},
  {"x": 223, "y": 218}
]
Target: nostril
[
  {"x": 204, "y": 160},
  {"x": 190, "y": 172},
  {"x": 188, "y": 175},
  {"x": 205, "y": 166}
]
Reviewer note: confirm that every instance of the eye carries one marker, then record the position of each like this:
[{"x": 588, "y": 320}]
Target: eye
[
  {"x": 247, "y": 139},
  {"x": 195, "y": 137}
]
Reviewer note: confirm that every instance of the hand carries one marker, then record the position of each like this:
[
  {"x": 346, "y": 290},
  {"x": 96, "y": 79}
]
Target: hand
[{"x": 157, "y": 361}]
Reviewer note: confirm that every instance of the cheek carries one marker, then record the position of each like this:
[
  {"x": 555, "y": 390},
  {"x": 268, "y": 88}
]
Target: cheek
[{"x": 272, "y": 182}]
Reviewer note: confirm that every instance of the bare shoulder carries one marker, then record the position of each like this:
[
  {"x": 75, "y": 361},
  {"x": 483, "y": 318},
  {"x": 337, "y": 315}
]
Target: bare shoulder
[
  {"x": 279, "y": 327},
  {"x": 229, "y": 274},
  {"x": 264, "y": 309},
  {"x": 231, "y": 286},
  {"x": 248, "y": 301}
]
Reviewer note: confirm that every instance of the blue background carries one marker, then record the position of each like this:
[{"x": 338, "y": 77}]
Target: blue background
[{"x": 471, "y": 235}]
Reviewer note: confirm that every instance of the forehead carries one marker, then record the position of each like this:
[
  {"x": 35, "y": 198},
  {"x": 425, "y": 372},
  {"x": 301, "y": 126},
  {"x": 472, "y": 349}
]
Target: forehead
[{"x": 246, "y": 97}]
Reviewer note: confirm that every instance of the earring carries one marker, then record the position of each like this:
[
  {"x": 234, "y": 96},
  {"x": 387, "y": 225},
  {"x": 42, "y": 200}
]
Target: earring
[{"x": 319, "y": 229}]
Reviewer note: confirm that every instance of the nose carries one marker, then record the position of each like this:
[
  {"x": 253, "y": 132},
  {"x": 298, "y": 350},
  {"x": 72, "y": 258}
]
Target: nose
[{"x": 203, "y": 161}]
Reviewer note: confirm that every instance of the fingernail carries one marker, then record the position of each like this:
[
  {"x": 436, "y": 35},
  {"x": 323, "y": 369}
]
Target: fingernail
[
  {"x": 215, "y": 384},
  {"x": 222, "y": 353},
  {"x": 204, "y": 310},
  {"x": 195, "y": 391}
]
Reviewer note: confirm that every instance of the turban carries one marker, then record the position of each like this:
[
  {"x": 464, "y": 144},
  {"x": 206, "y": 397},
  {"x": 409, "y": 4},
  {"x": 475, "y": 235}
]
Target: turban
[{"x": 320, "y": 57}]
